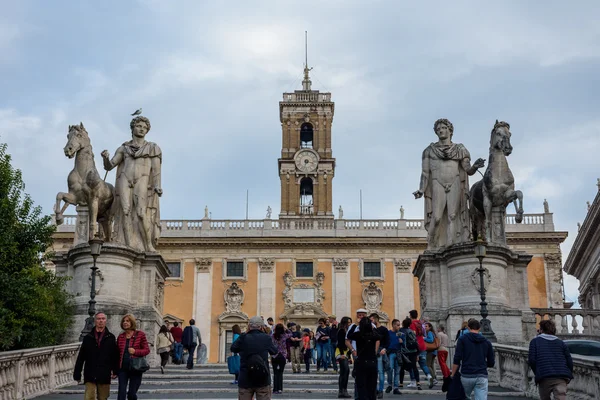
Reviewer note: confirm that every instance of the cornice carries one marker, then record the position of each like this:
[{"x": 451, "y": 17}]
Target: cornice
[{"x": 586, "y": 241}]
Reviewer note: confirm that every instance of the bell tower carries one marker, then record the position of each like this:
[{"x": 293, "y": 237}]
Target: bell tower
[{"x": 306, "y": 166}]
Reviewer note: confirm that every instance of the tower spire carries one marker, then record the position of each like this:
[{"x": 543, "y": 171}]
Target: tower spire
[{"x": 306, "y": 83}]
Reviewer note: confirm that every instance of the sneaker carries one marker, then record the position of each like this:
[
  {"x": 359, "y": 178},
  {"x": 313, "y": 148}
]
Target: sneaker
[
  {"x": 388, "y": 389},
  {"x": 162, "y": 369},
  {"x": 419, "y": 387},
  {"x": 397, "y": 391},
  {"x": 411, "y": 385},
  {"x": 430, "y": 379},
  {"x": 379, "y": 395},
  {"x": 435, "y": 382}
]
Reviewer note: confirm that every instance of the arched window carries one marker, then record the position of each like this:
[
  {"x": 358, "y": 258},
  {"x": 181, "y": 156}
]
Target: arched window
[
  {"x": 306, "y": 196},
  {"x": 306, "y": 136}
]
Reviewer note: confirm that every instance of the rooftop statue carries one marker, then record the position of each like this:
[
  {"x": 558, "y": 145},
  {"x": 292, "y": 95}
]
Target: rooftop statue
[
  {"x": 137, "y": 188},
  {"x": 446, "y": 168}
]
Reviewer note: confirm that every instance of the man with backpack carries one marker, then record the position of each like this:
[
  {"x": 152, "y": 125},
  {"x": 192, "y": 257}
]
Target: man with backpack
[
  {"x": 409, "y": 351},
  {"x": 254, "y": 348},
  {"x": 417, "y": 327},
  {"x": 190, "y": 339}
]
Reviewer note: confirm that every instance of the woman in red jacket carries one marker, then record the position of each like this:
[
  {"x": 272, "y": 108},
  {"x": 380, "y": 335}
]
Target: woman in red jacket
[{"x": 132, "y": 343}]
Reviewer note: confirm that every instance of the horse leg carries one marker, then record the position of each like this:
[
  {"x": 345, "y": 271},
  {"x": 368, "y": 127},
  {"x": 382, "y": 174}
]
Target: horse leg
[
  {"x": 519, "y": 209},
  {"x": 68, "y": 198},
  {"x": 487, "y": 210},
  {"x": 93, "y": 225}
]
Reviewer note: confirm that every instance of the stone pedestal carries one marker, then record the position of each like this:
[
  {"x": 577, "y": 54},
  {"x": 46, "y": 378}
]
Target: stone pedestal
[
  {"x": 127, "y": 281},
  {"x": 498, "y": 232},
  {"x": 449, "y": 290}
]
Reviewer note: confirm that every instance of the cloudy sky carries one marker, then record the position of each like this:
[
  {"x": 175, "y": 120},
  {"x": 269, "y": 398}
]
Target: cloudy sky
[{"x": 209, "y": 75}]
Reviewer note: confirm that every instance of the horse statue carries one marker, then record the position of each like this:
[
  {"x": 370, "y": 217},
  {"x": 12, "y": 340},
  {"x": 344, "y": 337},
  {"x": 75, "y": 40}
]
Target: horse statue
[
  {"x": 495, "y": 190},
  {"x": 86, "y": 188}
]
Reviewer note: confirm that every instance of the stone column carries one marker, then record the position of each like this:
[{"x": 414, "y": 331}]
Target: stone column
[
  {"x": 203, "y": 295},
  {"x": 404, "y": 290},
  {"x": 553, "y": 263},
  {"x": 341, "y": 287},
  {"x": 266, "y": 288}
]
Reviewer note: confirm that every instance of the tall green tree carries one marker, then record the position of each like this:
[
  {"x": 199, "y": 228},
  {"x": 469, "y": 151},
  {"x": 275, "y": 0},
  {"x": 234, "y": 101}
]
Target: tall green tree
[{"x": 35, "y": 309}]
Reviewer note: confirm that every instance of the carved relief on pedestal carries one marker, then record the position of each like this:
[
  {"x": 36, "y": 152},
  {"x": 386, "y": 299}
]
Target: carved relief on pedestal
[
  {"x": 340, "y": 264},
  {"x": 422, "y": 294},
  {"x": 373, "y": 296},
  {"x": 555, "y": 277},
  {"x": 234, "y": 298},
  {"x": 203, "y": 264},
  {"x": 99, "y": 281},
  {"x": 487, "y": 279},
  {"x": 159, "y": 294},
  {"x": 266, "y": 264},
  {"x": 403, "y": 264}
]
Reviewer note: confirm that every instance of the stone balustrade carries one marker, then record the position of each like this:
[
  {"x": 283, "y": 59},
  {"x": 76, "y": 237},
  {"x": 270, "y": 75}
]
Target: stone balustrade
[
  {"x": 25, "y": 374},
  {"x": 298, "y": 227},
  {"x": 512, "y": 372},
  {"x": 301, "y": 96},
  {"x": 568, "y": 319}
]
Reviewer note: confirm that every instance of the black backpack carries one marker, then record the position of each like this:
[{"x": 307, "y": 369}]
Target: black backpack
[
  {"x": 410, "y": 341},
  {"x": 258, "y": 371}
]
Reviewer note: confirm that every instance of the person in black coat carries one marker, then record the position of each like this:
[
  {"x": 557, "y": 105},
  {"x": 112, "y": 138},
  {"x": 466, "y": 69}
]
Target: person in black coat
[
  {"x": 254, "y": 348},
  {"x": 100, "y": 355},
  {"x": 367, "y": 341}
]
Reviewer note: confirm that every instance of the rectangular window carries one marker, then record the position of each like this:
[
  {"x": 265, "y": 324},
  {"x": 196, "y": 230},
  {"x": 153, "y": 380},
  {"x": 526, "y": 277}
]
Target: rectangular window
[
  {"x": 304, "y": 269},
  {"x": 372, "y": 269},
  {"x": 174, "y": 269},
  {"x": 235, "y": 269}
]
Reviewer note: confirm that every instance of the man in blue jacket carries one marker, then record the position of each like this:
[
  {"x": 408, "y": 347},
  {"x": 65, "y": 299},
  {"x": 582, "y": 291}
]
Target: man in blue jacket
[
  {"x": 551, "y": 362},
  {"x": 474, "y": 355}
]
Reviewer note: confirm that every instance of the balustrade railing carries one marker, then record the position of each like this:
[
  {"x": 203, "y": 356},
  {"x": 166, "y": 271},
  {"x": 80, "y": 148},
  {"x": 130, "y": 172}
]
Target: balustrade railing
[
  {"x": 512, "y": 372},
  {"x": 25, "y": 374},
  {"x": 315, "y": 225},
  {"x": 569, "y": 320}
]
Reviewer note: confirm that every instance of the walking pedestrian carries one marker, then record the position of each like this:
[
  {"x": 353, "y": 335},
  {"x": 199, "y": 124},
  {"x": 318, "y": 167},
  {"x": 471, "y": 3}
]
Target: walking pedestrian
[
  {"x": 463, "y": 330},
  {"x": 278, "y": 361},
  {"x": 99, "y": 358},
  {"x": 191, "y": 339},
  {"x": 313, "y": 347},
  {"x": 236, "y": 331},
  {"x": 394, "y": 357},
  {"x": 442, "y": 352},
  {"x": 382, "y": 358},
  {"x": 367, "y": 342},
  {"x": 164, "y": 341},
  {"x": 333, "y": 334},
  {"x": 551, "y": 362},
  {"x": 351, "y": 344},
  {"x": 417, "y": 326},
  {"x": 132, "y": 344},
  {"x": 432, "y": 344},
  {"x": 306, "y": 349},
  {"x": 342, "y": 356},
  {"x": 474, "y": 355},
  {"x": 177, "y": 333},
  {"x": 410, "y": 349},
  {"x": 295, "y": 349},
  {"x": 254, "y": 347},
  {"x": 322, "y": 338}
]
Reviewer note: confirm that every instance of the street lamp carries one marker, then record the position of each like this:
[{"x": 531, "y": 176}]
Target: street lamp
[
  {"x": 486, "y": 324},
  {"x": 95, "y": 248}
]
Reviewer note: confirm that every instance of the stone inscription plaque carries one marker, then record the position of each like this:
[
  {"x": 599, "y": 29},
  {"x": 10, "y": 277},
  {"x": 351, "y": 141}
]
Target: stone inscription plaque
[{"x": 302, "y": 295}]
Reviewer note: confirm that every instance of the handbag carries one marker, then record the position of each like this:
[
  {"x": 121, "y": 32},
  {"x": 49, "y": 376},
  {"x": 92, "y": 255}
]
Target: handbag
[
  {"x": 433, "y": 346},
  {"x": 233, "y": 364},
  {"x": 138, "y": 364}
]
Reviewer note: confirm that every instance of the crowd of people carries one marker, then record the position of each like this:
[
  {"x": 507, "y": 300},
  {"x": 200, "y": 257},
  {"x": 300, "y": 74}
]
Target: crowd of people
[{"x": 380, "y": 356}]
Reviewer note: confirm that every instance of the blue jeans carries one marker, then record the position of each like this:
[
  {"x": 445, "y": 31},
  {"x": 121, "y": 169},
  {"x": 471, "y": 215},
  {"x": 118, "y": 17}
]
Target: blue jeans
[
  {"x": 394, "y": 371},
  {"x": 332, "y": 359},
  {"x": 381, "y": 361},
  {"x": 322, "y": 348},
  {"x": 423, "y": 362},
  {"x": 177, "y": 351},
  {"x": 190, "y": 360},
  {"x": 478, "y": 384},
  {"x": 134, "y": 380}
]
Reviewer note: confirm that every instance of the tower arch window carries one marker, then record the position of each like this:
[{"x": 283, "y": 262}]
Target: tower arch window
[
  {"x": 306, "y": 136},
  {"x": 306, "y": 196}
]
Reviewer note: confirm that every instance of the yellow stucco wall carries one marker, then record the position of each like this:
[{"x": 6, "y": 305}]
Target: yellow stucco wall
[
  {"x": 250, "y": 292},
  {"x": 536, "y": 283},
  {"x": 356, "y": 288},
  {"x": 179, "y": 295},
  {"x": 388, "y": 303}
]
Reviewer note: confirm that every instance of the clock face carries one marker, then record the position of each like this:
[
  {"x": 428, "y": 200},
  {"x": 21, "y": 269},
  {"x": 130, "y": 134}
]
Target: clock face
[{"x": 306, "y": 161}]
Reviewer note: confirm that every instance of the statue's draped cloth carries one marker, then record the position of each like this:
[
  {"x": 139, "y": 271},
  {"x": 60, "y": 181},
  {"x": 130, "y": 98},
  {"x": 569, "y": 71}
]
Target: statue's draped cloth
[
  {"x": 147, "y": 150},
  {"x": 456, "y": 152}
]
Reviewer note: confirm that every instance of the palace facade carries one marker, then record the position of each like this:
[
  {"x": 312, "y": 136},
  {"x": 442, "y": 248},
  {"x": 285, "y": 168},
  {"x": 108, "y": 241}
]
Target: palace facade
[{"x": 308, "y": 263}]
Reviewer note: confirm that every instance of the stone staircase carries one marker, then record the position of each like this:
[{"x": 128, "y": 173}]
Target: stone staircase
[{"x": 213, "y": 381}]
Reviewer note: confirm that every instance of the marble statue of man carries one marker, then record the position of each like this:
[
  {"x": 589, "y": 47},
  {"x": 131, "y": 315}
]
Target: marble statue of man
[
  {"x": 446, "y": 167},
  {"x": 137, "y": 188}
]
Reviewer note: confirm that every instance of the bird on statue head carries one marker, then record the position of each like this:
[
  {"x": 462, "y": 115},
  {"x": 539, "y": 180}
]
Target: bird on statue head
[{"x": 137, "y": 112}]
